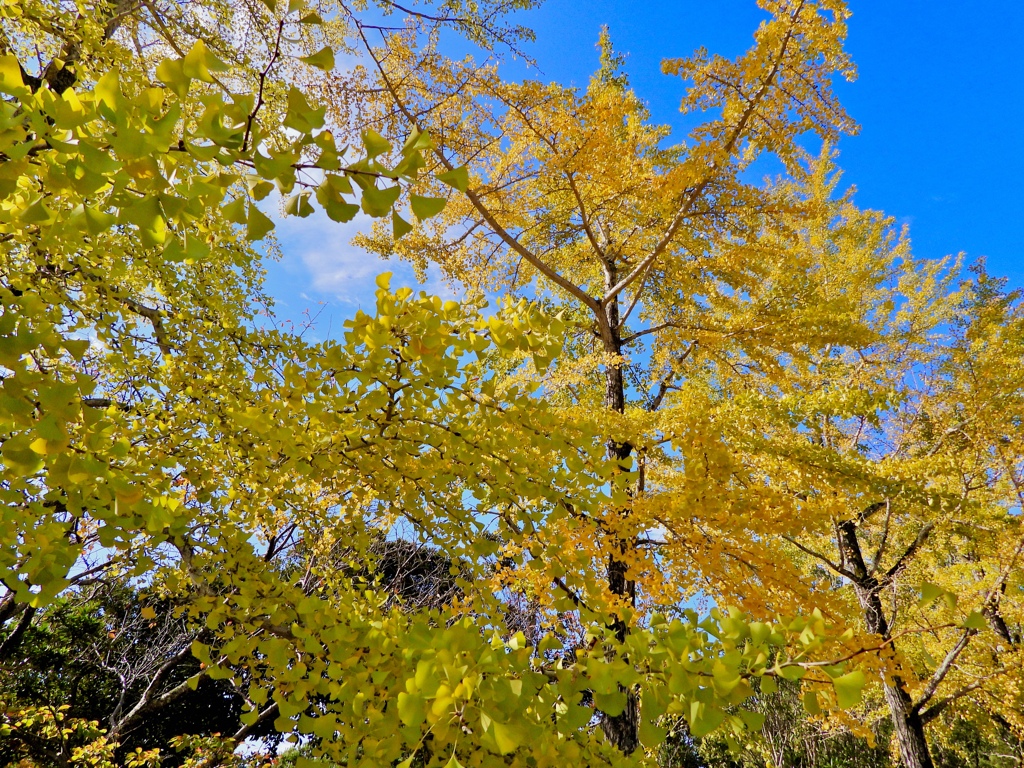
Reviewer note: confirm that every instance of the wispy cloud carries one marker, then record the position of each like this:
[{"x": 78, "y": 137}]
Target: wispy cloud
[
  {"x": 321, "y": 265},
  {"x": 320, "y": 254}
]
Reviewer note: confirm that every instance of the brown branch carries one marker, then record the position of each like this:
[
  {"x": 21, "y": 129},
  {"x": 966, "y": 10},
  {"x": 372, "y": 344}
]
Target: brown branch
[
  {"x": 877, "y": 559},
  {"x": 936, "y": 709},
  {"x": 9, "y": 607},
  {"x": 154, "y": 315},
  {"x": 944, "y": 667},
  {"x": 13, "y": 640},
  {"x": 576, "y": 599},
  {"x": 833, "y": 565},
  {"x": 665, "y": 384},
  {"x": 243, "y": 733},
  {"x": 263, "y": 81},
  {"x": 871, "y": 510},
  {"x": 155, "y": 318},
  {"x": 922, "y": 535},
  {"x": 538, "y": 263}
]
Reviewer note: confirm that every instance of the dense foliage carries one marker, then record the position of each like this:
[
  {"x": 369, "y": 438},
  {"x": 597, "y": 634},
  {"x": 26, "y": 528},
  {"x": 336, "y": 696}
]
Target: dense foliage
[{"x": 472, "y": 535}]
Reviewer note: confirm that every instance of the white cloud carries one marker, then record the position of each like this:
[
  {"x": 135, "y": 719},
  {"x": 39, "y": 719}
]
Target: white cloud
[
  {"x": 336, "y": 266},
  {"x": 324, "y": 276},
  {"x": 320, "y": 254},
  {"x": 328, "y": 268}
]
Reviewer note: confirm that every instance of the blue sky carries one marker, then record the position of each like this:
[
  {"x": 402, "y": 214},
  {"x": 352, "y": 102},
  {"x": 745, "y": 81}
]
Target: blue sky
[{"x": 939, "y": 97}]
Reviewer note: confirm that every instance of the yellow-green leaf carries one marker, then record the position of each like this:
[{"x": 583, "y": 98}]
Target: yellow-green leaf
[
  {"x": 975, "y": 620},
  {"x": 375, "y": 143},
  {"x": 108, "y": 90},
  {"x": 11, "y": 82},
  {"x": 399, "y": 225},
  {"x": 322, "y": 59},
  {"x": 301, "y": 116},
  {"x": 848, "y": 688},
  {"x": 200, "y": 62},
  {"x": 298, "y": 205},
  {"x": 258, "y": 224},
  {"x": 378, "y": 202},
  {"x": 457, "y": 177},
  {"x": 425, "y": 207},
  {"x": 929, "y": 594},
  {"x": 507, "y": 738},
  {"x": 810, "y": 702}
]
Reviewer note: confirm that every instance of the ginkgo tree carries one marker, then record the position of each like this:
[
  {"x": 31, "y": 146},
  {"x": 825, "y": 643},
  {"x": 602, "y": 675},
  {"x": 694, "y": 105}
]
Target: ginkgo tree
[
  {"x": 157, "y": 427},
  {"x": 931, "y": 547},
  {"x": 771, "y": 363},
  {"x": 577, "y": 195},
  {"x": 124, "y": 190}
]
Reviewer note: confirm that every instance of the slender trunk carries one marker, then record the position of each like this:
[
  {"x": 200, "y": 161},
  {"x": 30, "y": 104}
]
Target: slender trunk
[
  {"x": 621, "y": 730},
  {"x": 906, "y": 718}
]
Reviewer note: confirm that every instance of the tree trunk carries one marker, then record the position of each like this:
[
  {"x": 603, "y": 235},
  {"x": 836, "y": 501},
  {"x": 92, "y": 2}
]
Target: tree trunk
[
  {"x": 909, "y": 727},
  {"x": 906, "y": 718},
  {"x": 621, "y": 730}
]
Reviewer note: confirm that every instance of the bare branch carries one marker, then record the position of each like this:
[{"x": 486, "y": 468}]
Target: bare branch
[
  {"x": 832, "y": 565},
  {"x": 147, "y": 702}
]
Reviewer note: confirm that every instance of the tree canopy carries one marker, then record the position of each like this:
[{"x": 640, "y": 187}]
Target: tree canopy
[{"x": 468, "y": 534}]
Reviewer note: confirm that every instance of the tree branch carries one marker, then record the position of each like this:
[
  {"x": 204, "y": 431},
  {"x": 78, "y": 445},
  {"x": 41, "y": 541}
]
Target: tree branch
[
  {"x": 944, "y": 667},
  {"x": 13, "y": 640},
  {"x": 922, "y": 535},
  {"x": 664, "y": 384},
  {"x": 646, "y": 331},
  {"x": 243, "y": 733},
  {"x": 146, "y": 702},
  {"x": 936, "y": 709},
  {"x": 834, "y": 566}
]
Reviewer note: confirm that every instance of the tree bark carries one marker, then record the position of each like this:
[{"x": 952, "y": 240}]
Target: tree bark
[
  {"x": 906, "y": 720},
  {"x": 12, "y": 642},
  {"x": 906, "y": 717},
  {"x": 995, "y": 618},
  {"x": 622, "y": 730}
]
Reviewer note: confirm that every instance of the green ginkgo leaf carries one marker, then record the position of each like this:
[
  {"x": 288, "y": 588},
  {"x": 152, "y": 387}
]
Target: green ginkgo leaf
[
  {"x": 375, "y": 143},
  {"x": 399, "y": 226},
  {"x": 200, "y": 62},
  {"x": 457, "y": 177},
  {"x": 849, "y": 688},
  {"x": 378, "y": 202},
  {"x": 258, "y": 225},
  {"x": 322, "y": 59},
  {"x": 425, "y": 207}
]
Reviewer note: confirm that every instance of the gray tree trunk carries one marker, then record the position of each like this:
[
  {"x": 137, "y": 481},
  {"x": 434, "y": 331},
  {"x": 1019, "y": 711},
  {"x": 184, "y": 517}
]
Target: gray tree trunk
[{"x": 906, "y": 718}]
